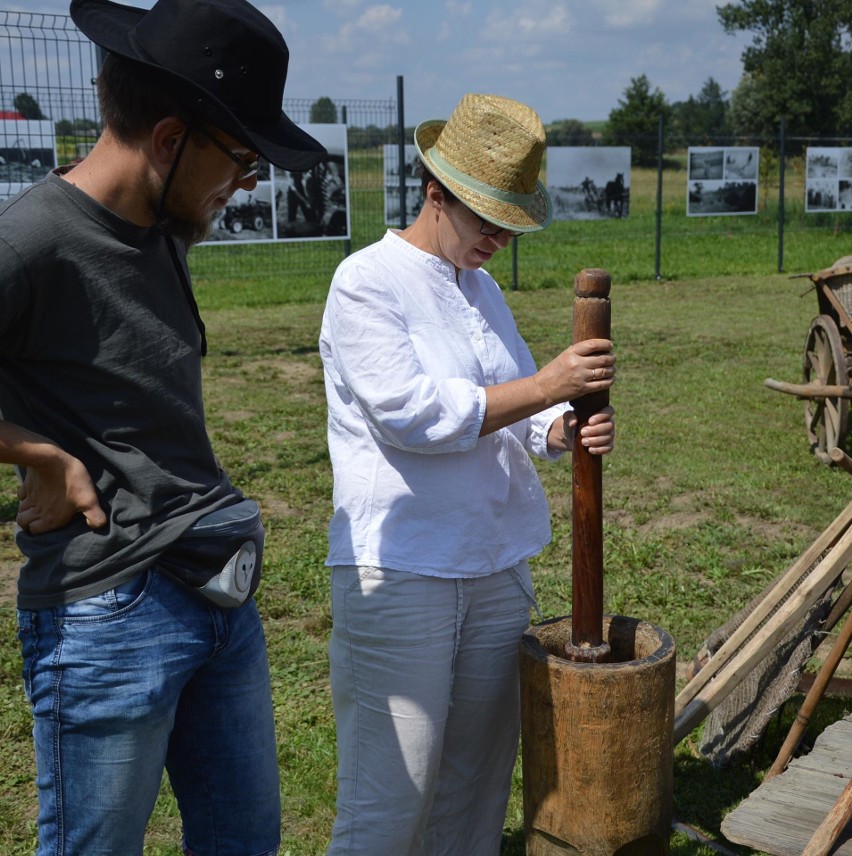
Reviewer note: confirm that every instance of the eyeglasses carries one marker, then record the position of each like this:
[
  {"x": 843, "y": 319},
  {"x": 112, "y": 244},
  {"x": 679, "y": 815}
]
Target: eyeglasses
[
  {"x": 491, "y": 230},
  {"x": 247, "y": 168}
]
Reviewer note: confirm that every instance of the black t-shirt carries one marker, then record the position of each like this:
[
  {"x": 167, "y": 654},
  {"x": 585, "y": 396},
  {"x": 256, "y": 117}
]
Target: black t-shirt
[{"x": 100, "y": 352}]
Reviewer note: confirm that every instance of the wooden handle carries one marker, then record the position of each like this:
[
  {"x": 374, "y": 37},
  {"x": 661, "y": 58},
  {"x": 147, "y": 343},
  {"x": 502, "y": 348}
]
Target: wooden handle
[
  {"x": 839, "y": 457},
  {"x": 591, "y": 321},
  {"x": 809, "y": 391}
]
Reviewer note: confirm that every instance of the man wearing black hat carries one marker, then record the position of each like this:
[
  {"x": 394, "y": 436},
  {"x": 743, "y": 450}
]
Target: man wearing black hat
[{"x": 142, "y": 646}]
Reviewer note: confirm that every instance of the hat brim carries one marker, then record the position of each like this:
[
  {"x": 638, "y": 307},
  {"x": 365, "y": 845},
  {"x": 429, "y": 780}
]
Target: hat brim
[
  {"x": 518, "y": 218},
  {"x": 283, "y": 143}
]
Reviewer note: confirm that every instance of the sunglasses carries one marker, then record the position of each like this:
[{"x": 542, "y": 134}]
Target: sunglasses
[{"x": 247, "y": 168}]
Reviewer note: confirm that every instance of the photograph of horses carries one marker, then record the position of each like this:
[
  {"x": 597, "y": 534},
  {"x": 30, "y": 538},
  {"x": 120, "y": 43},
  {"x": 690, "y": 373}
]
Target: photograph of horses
[{"x": 589, "y": 182}]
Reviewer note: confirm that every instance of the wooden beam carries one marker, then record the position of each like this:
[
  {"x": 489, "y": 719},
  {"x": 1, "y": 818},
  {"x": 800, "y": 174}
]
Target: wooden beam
[{"x": 782, "y": 588}]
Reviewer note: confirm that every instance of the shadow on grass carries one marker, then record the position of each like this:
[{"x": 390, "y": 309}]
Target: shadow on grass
[
  {"x": 513, "y": 844},
  {"x": 8, "y": 508},
  {"x": 704, "y": 794}
]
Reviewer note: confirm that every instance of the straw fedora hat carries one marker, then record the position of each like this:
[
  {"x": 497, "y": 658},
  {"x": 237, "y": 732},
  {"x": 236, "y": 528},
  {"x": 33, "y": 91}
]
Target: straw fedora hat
[
  {"x": 488, "y": 154},
  {"x": 226, "y": 59}
]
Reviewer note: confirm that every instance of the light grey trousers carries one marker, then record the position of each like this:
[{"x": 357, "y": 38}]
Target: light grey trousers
[{"x": 424, "y": 676}]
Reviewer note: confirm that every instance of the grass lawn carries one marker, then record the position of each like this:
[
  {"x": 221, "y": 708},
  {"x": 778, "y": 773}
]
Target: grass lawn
[{"x": 711, "y": 493}]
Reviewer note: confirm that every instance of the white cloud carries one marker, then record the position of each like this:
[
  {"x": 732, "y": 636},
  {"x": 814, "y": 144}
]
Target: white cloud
[
  {"x": 455, "y": 13},
  {"x": 533, "y": 22},
  {"x": 371, "y": 40},
  {"x": 377, "y": 28},
  {"x": 378, "y": 18},
  {"x": 458, "y": 8},
  {"x": 621, "y": 14},
  {"x": 342, "y": 7}
]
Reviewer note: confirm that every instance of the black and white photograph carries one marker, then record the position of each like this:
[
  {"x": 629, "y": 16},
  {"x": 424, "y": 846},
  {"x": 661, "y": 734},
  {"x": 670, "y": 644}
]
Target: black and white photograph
[
  {"x": 589, "y": 182},
  {"x": 828, "y": 182},
  {"x": 315, "y": 204},
  {"x": 844, "y": 195},
  {"x": 821, "y": 194},
  {"x": 822, "y": 163},
  {"x": 292, "y": 206},
  {"x": 741, "y": 162},
  {"x": 706, "y": 163},
  {"x": 247, "y": 217},
  {"x": 413, "y": 197},
  {"x": 722, "y": 180},
  {"x": 27, "y": 153}
]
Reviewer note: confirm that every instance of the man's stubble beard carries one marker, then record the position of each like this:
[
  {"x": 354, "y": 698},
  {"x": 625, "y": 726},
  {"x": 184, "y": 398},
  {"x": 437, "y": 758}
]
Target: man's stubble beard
[
  {"x": 188, "y": 230},
  {"x": 170, "y": 219}
]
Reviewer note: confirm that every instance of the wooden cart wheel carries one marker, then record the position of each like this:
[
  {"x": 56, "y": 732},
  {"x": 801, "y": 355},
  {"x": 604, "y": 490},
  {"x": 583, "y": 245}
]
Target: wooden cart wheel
[{"x": 824, "y": 363}]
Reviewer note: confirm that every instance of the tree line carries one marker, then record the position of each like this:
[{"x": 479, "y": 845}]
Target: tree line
[{"x": 798, "y": 68}]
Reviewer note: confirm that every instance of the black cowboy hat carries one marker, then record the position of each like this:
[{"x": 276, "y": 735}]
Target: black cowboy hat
[{"x": 227, "y": 58}]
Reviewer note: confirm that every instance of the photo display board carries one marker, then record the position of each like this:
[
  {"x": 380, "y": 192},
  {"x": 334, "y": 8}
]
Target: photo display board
[
  {"x": 828, "y": 179},
  {"x": 722, "y": 180},
  {"x": 27, "y": 153},
  {"x": 413, "y": 197},
  {"x": 292, "y": 206},
  {"x": 589, "y": 182}
]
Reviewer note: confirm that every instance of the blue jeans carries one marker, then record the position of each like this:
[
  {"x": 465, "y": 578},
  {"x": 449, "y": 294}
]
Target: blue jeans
[{"x": 140, "y": 678}]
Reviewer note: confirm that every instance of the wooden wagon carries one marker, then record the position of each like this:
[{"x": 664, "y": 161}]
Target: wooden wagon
[{"x": 826, "y": 386}]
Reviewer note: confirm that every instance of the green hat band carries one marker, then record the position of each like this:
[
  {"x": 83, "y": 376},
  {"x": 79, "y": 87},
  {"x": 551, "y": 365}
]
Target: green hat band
[{"x": 508, "y": 196}]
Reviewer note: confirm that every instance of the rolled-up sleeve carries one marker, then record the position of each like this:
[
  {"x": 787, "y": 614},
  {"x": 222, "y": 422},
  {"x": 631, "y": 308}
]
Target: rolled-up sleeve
[
  {"x": 538, "y": 426},
  {"x": 373, "y": 346}
]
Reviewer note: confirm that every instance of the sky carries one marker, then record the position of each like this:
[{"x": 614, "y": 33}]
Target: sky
[{"x": 568, "y": 59}]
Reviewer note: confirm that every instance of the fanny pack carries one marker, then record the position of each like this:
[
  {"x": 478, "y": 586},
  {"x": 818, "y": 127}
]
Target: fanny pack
[{"x": 220, "y": 556}]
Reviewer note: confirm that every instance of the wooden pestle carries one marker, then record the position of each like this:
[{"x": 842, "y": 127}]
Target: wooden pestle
[{"x": 591, "y": 321}]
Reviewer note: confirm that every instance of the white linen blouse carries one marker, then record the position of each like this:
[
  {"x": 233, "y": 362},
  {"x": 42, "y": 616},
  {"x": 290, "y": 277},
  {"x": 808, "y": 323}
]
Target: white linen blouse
[{"x": 407, "y": 352}]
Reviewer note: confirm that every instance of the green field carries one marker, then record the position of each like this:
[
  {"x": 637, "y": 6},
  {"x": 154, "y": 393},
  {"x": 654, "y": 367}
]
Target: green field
[
  {"x": 637, "y": 248},
  {"x": 710, "y": 493}
]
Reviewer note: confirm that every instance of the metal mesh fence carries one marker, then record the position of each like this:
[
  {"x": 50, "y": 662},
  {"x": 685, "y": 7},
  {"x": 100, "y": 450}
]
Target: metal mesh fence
[
  {"x": 370, "y": 125},
  {"x": 47, "y": 74},
  {"x": 47, "y": 70}
]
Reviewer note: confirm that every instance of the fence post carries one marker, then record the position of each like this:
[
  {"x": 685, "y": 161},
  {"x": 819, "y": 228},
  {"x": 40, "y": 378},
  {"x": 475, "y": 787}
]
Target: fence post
[
  {"x": 100, "y": 53},
  {"x": 514, "y": 264},
  {"x": 782, "y": 145},
  {"x": 347, "y": 244},
  {"x": 400, "y": 120},
  {"x": 659, "y": 234}
]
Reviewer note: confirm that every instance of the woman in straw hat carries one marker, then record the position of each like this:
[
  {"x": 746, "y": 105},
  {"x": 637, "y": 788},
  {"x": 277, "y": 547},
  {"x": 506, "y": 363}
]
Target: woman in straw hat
[{"x": 435, "y": 404}]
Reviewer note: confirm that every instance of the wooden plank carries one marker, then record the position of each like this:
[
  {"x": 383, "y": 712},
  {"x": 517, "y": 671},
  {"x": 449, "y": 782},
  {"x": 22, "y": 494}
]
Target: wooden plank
[
  {"x": 785, "y": 585},
  {"x": 789, "y": 615},
  {"x": 781, "y": 816},
  {"x": 835, "y": 822},
  {"x": 837, "y": 687}
]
